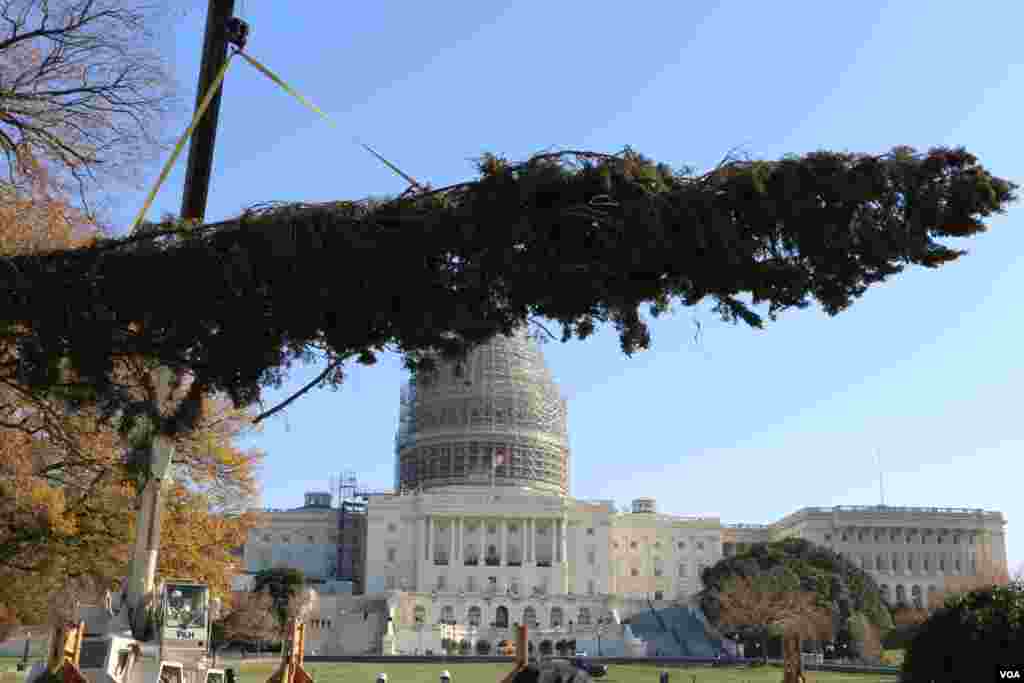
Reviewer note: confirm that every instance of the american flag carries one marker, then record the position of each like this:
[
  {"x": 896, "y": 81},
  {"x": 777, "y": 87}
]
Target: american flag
[{"x": 499, "y": 456}]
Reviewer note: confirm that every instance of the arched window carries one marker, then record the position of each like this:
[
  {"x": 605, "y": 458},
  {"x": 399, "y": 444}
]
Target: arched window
[
  {"x": 901, "y": 595},
  {"x": 447, "y": 613},
  {"x": 916, "y": 597},
  {"x": 474, "y": 616},
  {"x": 420, "y": 614},
  {"x": 530, "y": 617},
  {"x": 584, "y": 616},
  {"x": 556, "y": 617},
  {"x": 658, "y": 595},
  {"x": 884, "y": 590},
  {"x": 501, "y": 617}
]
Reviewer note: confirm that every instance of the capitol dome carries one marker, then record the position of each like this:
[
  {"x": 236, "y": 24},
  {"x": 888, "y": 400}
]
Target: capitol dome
[{"x": 495, "y": 418}]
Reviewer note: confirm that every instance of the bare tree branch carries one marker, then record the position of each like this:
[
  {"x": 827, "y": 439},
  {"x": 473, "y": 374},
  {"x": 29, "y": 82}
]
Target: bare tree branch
[{"x": 81, "y": 90}]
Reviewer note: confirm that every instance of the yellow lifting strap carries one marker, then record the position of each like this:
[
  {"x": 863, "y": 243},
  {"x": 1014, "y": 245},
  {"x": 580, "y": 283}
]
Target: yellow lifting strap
[
  {"x": 181, "y": 142},
  {"x": 291, "y": 91},
  {"x": 217, "y": 81}
]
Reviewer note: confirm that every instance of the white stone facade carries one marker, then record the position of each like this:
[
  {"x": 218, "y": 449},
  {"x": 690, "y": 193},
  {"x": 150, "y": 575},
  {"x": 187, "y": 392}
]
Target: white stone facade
[
  {"x": 483, "y": 532},
  {"x": 489, "y": 558},
  {"x": 910, "y": 552},
  {"x": 305, "y": 538}
]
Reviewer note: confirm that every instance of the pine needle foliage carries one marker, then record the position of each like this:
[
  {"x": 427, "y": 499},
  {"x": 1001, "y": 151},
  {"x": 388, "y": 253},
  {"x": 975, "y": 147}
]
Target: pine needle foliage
[{"x": 578, "y": 238}]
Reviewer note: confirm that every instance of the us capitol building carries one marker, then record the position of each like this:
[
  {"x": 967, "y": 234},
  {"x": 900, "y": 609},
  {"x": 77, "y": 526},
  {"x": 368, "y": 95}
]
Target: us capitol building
[{"x": 480, "y": 533}]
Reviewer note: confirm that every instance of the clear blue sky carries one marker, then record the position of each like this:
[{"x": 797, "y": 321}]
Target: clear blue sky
[{"x": 744, "y": 424}]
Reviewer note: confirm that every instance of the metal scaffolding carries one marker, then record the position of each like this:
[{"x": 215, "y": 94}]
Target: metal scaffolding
[
  {"x": 495, "y": 418},
  {"x": 352, "y": 503}
]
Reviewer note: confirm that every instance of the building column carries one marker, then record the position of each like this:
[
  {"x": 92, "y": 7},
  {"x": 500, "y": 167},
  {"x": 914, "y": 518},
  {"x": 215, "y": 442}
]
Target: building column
[
  {"x": 522, "y": 542},
  {"x": 417, "y": 557},
  {"x": 554, "y": 542},
  {"x": 458, "y": 540},
  {"x": 451, "y": 542},
  {"x": 531, "y": 538},
  {"x": 430, "y": 539},
  {"x": 526, "y": 541},
  {"x": 564, "y": 527},
  {"x": 502, "y": 542},
  {"x": 482, "y": 526}
]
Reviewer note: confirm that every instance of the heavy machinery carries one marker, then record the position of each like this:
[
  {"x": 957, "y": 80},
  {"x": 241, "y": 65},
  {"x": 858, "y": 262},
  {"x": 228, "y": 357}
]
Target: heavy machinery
[
  {"x": 99, "y": 649},
  {"x": 102, "y": 646},
  {"x": 292, "y": 656}
]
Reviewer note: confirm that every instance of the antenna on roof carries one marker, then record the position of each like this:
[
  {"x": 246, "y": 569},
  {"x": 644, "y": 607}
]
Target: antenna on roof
[{"x": 881, "y": 480}]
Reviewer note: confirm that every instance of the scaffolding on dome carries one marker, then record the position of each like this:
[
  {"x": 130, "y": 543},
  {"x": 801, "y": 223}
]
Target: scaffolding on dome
[{"x": 495, "y": 418}]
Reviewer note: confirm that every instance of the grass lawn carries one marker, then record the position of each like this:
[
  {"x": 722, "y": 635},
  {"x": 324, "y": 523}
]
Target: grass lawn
[
  {"x": 492, "y": 673},
  {"x": 258, "y": 672}
]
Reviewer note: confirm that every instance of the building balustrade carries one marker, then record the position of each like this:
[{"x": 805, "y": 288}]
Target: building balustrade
[{"x": 876, "y": 508}]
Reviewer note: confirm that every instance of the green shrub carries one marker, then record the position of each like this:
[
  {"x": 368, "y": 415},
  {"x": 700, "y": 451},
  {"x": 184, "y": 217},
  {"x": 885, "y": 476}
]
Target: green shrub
[{"x": 969, "y": 637}]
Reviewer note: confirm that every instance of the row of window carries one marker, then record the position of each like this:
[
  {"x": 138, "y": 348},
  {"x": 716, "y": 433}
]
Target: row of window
[
  {"x": 898, "y": 537},
  {"x": 912, "y": 563},
  {"x": 287, "y": 538},
  {"x": 681, "y": 545},
  {"x": 491, "y": 528},
  {"x": 916, "y": 595},
  {"x": 474, "y": 616}
]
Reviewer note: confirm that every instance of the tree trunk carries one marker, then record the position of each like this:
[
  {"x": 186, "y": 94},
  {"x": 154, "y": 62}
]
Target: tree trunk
[{"x": 793, "y": 671}]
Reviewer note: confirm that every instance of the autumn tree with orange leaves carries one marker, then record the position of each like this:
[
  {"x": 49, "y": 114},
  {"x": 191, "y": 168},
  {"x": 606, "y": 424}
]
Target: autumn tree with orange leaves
[
  {"x": 82, "y": 95},
  {"x": 988, "y": 571},
  {"x": 67, "y": 491},
  {"x": 775, "y": 602}
]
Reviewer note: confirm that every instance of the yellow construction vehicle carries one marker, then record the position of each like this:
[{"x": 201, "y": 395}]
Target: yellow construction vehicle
[
  {"x": 292, "y": 656},
  {"x": 95, "y": 650}
]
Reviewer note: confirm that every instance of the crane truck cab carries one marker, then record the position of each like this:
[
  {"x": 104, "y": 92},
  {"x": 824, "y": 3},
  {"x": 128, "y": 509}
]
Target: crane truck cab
[{"x": 102, "y": 651}]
